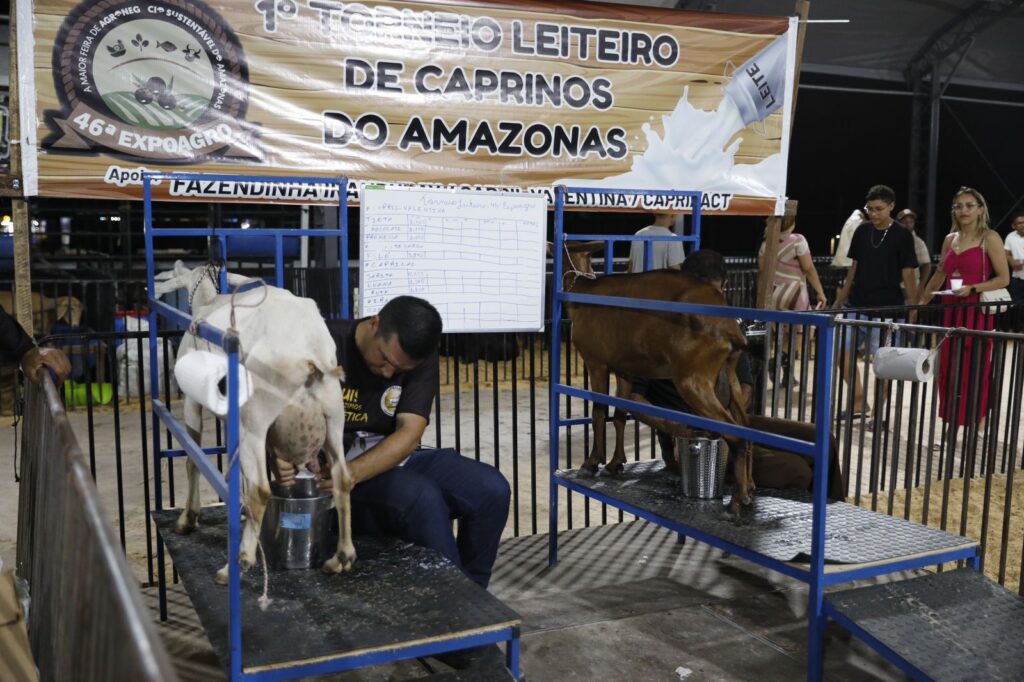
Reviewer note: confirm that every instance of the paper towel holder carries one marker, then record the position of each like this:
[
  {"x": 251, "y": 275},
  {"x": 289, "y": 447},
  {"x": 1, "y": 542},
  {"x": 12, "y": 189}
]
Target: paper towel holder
[
  {"x": 202, "y": 376},
  {"x": 927, "y": 364},
  {"x": 910, "y": 364}
]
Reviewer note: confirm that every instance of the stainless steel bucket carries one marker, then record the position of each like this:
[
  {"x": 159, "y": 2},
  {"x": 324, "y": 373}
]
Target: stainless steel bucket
[
  {"x": 297, "y": 531},
  {"x": 702, "y": 463}
]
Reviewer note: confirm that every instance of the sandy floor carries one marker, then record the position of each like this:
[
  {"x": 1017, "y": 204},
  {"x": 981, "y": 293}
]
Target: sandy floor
[
  {"x": 1003, "y": 519},
  {"x": 477, "y": 434},
  {"x": 481, "y": 435}
]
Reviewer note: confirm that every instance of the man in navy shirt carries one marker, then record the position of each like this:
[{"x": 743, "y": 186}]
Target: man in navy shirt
[{"x": 391, "y": 376}]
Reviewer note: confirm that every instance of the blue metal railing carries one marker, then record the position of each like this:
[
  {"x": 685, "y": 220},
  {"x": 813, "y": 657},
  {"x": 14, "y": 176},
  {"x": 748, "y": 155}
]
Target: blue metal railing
[
  {"x": 228, "y": 341},
  {"x": 693, "y": 238},
  {"x": 818, "y": 449},
  {"x": 230, "y": 489},
  {"x": 648, "y": 260}
]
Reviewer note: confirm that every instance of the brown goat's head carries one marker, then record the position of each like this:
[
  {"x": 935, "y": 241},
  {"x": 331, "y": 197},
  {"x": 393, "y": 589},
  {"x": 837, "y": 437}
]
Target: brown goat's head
[{"x": 577, "y": 257}]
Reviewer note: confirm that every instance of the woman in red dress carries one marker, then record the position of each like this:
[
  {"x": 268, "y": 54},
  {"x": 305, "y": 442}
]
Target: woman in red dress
[{"x": 974, "y": 254}]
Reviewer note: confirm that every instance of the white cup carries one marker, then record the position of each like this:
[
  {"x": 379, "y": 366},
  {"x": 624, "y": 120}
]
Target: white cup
[{"x": 955, "y": 283}]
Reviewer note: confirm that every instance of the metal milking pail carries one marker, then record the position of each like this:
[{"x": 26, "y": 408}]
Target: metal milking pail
[
  {"x": 702, "y": 464},
  {"x": 297, "y": 527}
]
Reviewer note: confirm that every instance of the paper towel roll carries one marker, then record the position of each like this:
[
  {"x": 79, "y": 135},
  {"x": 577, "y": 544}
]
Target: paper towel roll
[
  {"x": 199, "y": 376},
  {"x": 904, "y": 364}
]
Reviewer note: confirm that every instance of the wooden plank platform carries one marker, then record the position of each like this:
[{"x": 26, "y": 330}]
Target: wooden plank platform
[
  {"x": 396, "y": 595},
  {"x": 778, "y": 524},
  {"x": 956, "y": 625}
]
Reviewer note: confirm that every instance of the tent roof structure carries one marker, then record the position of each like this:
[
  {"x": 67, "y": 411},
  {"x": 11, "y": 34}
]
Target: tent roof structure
[{"x": 882, "y": 39}]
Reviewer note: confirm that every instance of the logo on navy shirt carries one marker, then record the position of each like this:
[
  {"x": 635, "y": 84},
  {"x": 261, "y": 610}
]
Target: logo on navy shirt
[{"x": 389, "y": 400}]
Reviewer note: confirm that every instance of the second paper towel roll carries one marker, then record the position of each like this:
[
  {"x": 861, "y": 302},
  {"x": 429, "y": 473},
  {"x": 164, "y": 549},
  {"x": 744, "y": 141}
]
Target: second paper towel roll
[
  {"x": 904, "y": 364},
  {"x": 199, "y": 375}
]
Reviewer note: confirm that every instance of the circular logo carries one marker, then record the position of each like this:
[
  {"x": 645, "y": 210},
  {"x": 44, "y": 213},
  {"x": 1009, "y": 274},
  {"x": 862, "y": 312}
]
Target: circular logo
[
  {"x": 160, "y": 79},
  {"x": 389, "y": 401}
]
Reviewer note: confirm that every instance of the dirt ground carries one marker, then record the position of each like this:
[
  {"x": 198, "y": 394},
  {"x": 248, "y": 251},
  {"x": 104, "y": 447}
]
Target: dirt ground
[
  {"x": 118, "y": 443},
  {"x": 1001, "y": 566},
  {"x": 477, "y": 434}
]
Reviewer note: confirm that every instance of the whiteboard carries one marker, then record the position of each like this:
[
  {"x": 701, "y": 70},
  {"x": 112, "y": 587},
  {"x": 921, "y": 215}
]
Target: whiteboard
[{"x": 477, "y": 257}]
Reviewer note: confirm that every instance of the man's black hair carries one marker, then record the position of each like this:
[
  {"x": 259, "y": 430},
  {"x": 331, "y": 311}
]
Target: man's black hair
[
  {"x": 417, "y": 323},
  {"x": 1016, "y": 214},
  {"x": 706, "y": 265},
  {"x": 881, "y": 193}
]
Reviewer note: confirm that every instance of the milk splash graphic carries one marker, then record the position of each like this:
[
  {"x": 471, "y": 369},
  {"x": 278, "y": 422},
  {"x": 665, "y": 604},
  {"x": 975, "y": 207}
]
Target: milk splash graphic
[{"x": 693, "y": 154}]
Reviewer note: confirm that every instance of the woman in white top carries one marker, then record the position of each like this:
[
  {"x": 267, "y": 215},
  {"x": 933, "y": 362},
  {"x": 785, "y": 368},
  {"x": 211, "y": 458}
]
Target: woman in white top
[{"x": 793, "y": 270}]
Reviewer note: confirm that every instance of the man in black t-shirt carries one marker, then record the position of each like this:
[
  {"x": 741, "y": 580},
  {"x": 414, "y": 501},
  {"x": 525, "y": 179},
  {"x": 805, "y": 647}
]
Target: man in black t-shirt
[
  {"x": 707, "y": 266},
  {"x": 391, "y": 376},
  {"x": 883, "y": 255},
  {"x": 772, "y": 468},
  {"x": 663, "y": 393}
]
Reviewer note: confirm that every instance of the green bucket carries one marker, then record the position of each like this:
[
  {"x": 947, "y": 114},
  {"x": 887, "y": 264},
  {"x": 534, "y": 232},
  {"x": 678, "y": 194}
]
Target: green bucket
[{"x": 75, "y": 395}]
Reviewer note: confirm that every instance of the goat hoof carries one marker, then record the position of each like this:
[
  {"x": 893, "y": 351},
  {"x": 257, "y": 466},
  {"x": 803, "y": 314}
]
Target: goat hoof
[
  {"x": 221, "y": 578},
  {"x": 614, "y": 468},
  {"x": 245, "y": 561},
  {"x": 747, "y": 500},
  {"x": 588, "y": 470},
  {"x": 732, "y": 511},
  {"x": 186, "y": 523},
  {"x": 340, "y": 562},
  {"x": 222, "y": 575}
]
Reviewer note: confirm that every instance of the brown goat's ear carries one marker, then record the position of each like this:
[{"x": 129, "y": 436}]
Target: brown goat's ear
[{"x": 585, "y": 247}]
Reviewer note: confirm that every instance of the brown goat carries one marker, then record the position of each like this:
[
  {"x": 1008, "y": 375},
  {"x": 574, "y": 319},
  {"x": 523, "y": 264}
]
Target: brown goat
[
  {"x": 46, "y": 311},
  {"x": 692, "y": 350}
]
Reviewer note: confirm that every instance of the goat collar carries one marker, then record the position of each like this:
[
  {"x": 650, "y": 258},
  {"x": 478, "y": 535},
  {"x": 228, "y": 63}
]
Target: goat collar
[
  {"x": 576, "y": 273},
  {"x": 209, "y": 270}
]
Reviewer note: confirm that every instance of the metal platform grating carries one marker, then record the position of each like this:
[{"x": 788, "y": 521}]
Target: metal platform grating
[
  {"x": 956, "y": 625},
  {"x": 396, "y": 594},
  {"x": 778, "y": 524}
]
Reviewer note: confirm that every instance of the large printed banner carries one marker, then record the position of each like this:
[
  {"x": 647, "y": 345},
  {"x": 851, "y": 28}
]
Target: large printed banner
[{"x": 522, "y": 96}]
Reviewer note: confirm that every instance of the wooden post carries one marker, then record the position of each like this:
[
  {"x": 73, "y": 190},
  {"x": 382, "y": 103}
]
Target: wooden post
[
  {"x": 766, "y": 274},
  {"x": 766, "y": 268},
  {"x": 803, "y": 9},
  {"x": 19, "y": 208},
  {"x": 22, "y": 266}
]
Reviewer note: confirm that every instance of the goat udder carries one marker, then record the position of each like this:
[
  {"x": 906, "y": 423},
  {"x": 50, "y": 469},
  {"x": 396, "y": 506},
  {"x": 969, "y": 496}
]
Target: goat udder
[{"x": 299, "y": 432}]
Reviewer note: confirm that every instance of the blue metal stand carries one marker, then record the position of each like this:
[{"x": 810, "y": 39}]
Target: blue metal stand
[
  {"x": 231, "y": 488},
  {"x": 815, "y": 576}
]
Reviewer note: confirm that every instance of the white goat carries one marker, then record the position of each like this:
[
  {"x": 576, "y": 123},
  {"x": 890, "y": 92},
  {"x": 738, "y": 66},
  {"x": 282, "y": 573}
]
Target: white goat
[{"x": 296, "y": 406}]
